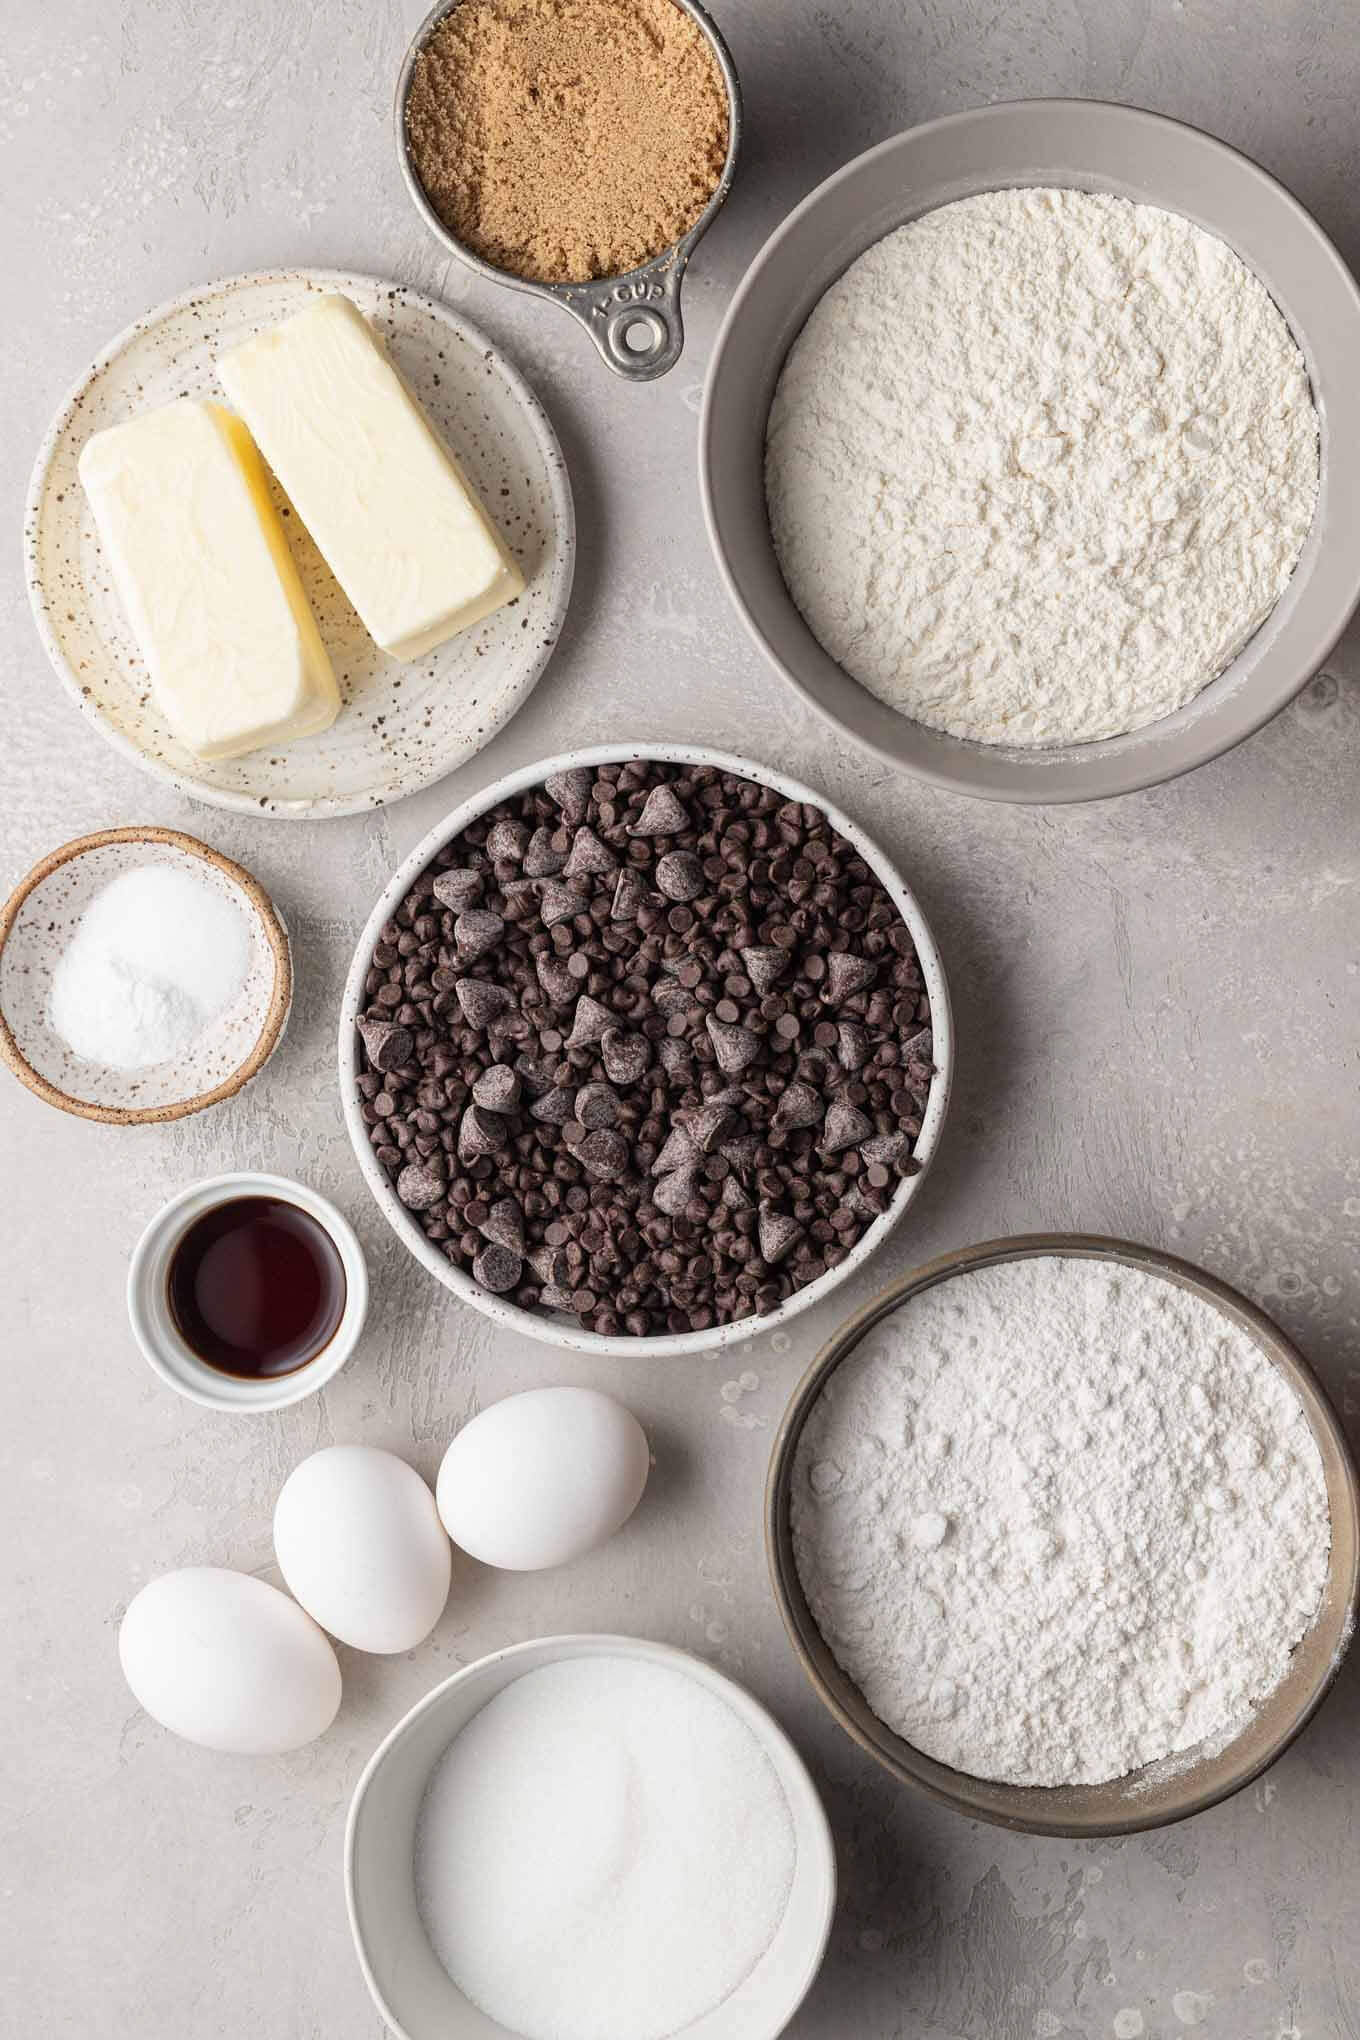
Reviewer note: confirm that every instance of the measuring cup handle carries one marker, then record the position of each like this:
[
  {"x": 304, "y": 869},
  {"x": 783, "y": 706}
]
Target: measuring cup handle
[{"x": 635, "y": 320}]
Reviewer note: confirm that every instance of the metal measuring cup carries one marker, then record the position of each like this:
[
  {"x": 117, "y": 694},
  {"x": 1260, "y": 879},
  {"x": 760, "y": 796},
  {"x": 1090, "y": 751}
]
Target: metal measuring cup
[{"x": 634, "y": 320}]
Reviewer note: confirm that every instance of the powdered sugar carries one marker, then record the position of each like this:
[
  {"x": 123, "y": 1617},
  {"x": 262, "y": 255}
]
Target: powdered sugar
[
  {"x": 1135, "y": 1521},
  {"x": 1039, "y": 464}
]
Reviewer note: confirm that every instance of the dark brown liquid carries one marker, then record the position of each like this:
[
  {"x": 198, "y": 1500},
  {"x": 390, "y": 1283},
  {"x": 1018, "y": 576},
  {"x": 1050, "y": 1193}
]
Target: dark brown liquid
[{"x": 256, "y": 1287}]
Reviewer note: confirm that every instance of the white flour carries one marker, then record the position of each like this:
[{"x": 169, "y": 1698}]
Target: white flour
[
  {"x": 1059, "y": 1520},
  {"x": 1039, "y": 464}
]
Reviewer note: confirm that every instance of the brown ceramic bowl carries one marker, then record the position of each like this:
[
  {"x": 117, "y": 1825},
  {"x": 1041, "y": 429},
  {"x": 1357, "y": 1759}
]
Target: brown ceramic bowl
[
  {"x": 38, "y": 920},
  {"x": 1160, "y": 1793}
]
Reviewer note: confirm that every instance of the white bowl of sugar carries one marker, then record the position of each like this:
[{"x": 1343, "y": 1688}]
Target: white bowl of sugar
[{"x": 588, "y": 1838}]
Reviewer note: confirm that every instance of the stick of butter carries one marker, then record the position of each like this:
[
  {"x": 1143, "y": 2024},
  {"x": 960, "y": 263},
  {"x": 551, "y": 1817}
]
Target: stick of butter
[
  {"x": 205, "y": 576},
  {"x": 377, "y": 489}
]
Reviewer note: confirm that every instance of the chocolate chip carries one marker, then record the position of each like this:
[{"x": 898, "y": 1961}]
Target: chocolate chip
[
  {"x": 457, "y": 888},
  {"x": 387, "y": 1044},
  {"x": 678, "y": 1152},
  {"x": 733, "y": 1196},
  {"x": 590, "y": 1023},
  {"x": 419, "y": 1186},
  {"x": 504, "y": 1224},
  {"x": 477, "y": 930},
  {"x": 497, "y": 1268},
  {"x": 799, "y": 1105},
  {"x": 559, "y": 986},
  {"x": 679, "y": 875},
  {"x": 597, "y": 1105},
  {"x": 846, "y": 975},
  {"x": 662, "y": 815},
  {"x": 507, "y": 839},
  {"x": 844, "y": 1127},
  {"x": 735, "y": 1047},
  {"x": 764, "y": 967},
  {"x": 675, "y": 1191},
  {"x": 482, "y": 1003},
  {"x": 497, "y": 1088},
  {"x": 852, "y": 1045},
  {"x": 626, "y": 1057},
  {"x": 571, "y": 791},
  {"x": 604, "y": 1154},
  {"x": 885, "y": 1147},
  {"x": 629, "y": 893},
  {"x": 556, "y": 902},
  {"x": 778, "y": 1235},
  {"x": 710, "y": 1125},
  {"x": 542, "y": 859},
  {"x": 554, "y": 1108},
  {"x": 589, "y": 856}
]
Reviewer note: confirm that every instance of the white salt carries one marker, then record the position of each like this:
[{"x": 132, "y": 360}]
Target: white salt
[
  {"x": 156, "y": 956},
  {"x": 603, "y": 1853}
]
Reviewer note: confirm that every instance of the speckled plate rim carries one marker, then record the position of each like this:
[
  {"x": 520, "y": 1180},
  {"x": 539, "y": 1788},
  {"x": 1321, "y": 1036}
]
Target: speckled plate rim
[
  {"x": 563, "y": 564},
  {"x": 1286, "y": 650},
  {"x": 550, "y": 1330},
  {"x": 280, "y": 1000},
  {"x": 1131, "y": 1807}
]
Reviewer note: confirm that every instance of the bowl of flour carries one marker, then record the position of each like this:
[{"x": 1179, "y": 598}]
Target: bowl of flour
[
  {"x": 1021, "y": 452},
  {"x": 1065, "y": 1532}
]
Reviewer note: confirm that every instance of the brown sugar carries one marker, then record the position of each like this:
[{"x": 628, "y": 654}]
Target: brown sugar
[{"x": 567, "y": 139}]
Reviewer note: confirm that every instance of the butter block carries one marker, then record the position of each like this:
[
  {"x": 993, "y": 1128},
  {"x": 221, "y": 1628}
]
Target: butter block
[
  {"x": 204, "y": 573},
  {"x": 390, "y": 511}
]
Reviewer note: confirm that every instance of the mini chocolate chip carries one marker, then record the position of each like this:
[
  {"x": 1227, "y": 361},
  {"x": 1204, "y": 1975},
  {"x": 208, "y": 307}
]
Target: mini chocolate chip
[
  {"x": 477, "y": 930},
  {"x": 735, "y": 1047},
  {"x": 498, "y": 1088},
  {"x": 388, "y": 1044},
  {"x": 679, "y": 875},
  {"x": 778, "y": 1234},
  {"x": 571, "y": 791},
  {"x": 662, "y": 815},
  {"x": 457, "y": 888},
  {"x": 799, "y": 1105},
  {"x": 626, "y": 1057},
  {"x": 419, "y": 1186},
  {"x": 497, "y": 1268},
  {"x": 846, "y": 975},
  {"x": 844, "y": 1127},
  {"x": 589, "y": 856}
]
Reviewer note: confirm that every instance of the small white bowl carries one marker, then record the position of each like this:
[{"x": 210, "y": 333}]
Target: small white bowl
[
  {"x": 148, "y": 1298},
  {"x": 564, "y": 1331},
  {"x": 408, "y": 1985},
  {"x": 38, "y": 921}
]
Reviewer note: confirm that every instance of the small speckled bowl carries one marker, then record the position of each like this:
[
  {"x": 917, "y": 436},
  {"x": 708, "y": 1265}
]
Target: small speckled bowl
[
  {"x": 38, "y": 921},
  {"x": 1177, "y": 1786}
]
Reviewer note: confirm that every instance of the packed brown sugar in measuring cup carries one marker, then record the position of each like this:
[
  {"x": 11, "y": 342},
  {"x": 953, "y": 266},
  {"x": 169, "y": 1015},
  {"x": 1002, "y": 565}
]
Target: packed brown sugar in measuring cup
[{"x": 562, "y": 140}]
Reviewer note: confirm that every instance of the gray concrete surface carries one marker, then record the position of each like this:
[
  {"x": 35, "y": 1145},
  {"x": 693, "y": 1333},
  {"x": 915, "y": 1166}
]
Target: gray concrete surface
[{"x": 1156, "y": 1003}]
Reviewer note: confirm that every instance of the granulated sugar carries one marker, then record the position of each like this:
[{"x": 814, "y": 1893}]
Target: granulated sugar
[
  {"x": 1059, "y": 1519},
  {"x": 604, "y": 1853},
  {"x": 1040, "y": 463}
]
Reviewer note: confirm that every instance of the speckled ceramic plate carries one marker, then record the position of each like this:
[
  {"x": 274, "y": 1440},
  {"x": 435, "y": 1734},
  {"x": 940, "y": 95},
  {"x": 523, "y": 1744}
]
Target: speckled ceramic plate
[
  {"x": 402, "y": 726},
  {"x": 39, "y": 919}
]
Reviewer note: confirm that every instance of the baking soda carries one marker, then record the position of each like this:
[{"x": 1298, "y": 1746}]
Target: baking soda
[{"x": 603, "y": 1853}]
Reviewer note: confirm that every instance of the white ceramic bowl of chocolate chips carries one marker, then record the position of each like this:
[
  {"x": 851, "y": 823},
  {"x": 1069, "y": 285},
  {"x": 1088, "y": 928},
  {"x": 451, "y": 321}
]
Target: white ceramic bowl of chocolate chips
[{"x": 644, "y": 1049}]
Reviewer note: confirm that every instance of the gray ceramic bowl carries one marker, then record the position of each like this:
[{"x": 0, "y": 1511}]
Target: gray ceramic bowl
[
  {"x": 1160, "y": 1793},
  {"x": 1093, "y": 147}
]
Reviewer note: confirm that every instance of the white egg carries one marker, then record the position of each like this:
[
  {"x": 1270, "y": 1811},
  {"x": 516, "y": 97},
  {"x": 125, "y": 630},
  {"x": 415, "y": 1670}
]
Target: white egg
[
  {"x": 359, "y": 1542},
  {"x": 542, "y": 1477},
  {"x": 229, "y": 1662}
]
